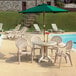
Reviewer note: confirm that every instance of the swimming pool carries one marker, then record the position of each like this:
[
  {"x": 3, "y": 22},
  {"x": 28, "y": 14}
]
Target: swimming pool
[{"x": 66, "y": 37}]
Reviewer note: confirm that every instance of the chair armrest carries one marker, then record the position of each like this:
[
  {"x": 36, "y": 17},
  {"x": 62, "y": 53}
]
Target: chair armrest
[{"x": 61, "y": 30}]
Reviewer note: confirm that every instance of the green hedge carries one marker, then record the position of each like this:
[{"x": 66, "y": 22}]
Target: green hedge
[
  {"x": 10, "y": 19},
  {"x": 65, "y": 21}
]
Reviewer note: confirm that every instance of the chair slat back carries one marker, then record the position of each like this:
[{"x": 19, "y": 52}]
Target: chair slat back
[
  {"x": 21, "y": 43},
  {"x": 54, "y": 27},
  {"x": 57, "y": 39},
  {"x": 1, "y": 25},
  {"x": 36, "y": 27},
  {"x": 23, "y": 30},
  {"x": 17, "y": 27},
  {"x": 36, "y": 39},
  {"x": 69, "y": 45}
]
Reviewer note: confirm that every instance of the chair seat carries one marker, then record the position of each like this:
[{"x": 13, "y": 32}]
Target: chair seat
[
  {"x": 61, "y": 44},
  {"x": 26, "y": 53}
]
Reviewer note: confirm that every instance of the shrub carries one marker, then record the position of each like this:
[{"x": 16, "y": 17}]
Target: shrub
[{"x": 60, "y": 4}]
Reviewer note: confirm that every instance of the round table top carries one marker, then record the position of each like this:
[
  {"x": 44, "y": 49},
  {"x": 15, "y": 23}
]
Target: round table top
[{"x": 50, "y": 43}]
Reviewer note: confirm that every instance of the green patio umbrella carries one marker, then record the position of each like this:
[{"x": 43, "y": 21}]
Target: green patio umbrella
[{"x": 44, "y": 8}]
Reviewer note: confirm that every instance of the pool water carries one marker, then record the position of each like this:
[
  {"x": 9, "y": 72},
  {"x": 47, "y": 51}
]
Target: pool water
[{"x": 66, "y": 38}]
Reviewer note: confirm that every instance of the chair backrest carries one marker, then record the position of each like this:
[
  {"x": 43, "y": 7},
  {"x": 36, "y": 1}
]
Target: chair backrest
[
  {"x": 69, "y": 45},
  {"x": 17, "y": 27},
  {"x": 36, "y": 27},
  {"x": 36, "y": 39},
  {"x": 57, "y": 39},
  {"x": 23, "y": 30},
  {"x": 1, "y": 25},
  {"x": 54, "y": 27},
  {"x": 21, "y": 43}
]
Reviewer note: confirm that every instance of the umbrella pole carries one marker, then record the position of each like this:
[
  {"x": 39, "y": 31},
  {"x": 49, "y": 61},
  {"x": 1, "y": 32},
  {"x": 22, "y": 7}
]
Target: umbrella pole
[{"x": 44, "y": 24}]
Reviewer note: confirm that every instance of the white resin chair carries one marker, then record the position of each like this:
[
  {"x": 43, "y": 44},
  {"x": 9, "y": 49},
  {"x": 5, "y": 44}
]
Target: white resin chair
[
  {"x": 1, "y": 27},
  {"x": 37, "y": 28},
  {"x": 21, "y": 33},
  {"x": 55, "y": 28},
  {"x": 22, "y": 44},
  {"x": 17, "y": 27},
  {"x": 64, "y": 52},
  {"x": 13, "y": 30},
  {"x": 58, "y": 40},
  {"x": 17, "y": 34},
  {"x": 36, "y": 39}
]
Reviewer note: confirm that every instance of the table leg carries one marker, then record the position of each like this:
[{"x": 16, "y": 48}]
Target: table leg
[
  {"x": 41, "y": 59},
  {"x": 50, "y": 59},
  {"x": 42, "y": 54},
  {"x": 45, "y": 54}
]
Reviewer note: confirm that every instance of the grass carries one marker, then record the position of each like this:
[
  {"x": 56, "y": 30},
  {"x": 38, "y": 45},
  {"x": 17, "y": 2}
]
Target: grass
[{"x": 10, "y": 19}]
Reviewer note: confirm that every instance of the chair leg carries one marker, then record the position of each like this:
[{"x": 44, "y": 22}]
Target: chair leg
[
  {"x": 32, "y": 56},
  {"x": 70, "y": 59},
  {"x": 33, "y": 50},
  {"x": 60, "y": 61},
  {"x": 65, "y": 59},
  {"x": 55, "y": 58},
  {"x": 40, "y": 52},
  {"x": 19, "y": 58},
  {"x": 51, "y": 52},
  {"x": 56, "y": 55}
]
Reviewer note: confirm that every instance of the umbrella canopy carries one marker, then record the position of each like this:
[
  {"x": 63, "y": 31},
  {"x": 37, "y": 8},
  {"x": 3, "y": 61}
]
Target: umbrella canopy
[{"x": 43, "y": 8}]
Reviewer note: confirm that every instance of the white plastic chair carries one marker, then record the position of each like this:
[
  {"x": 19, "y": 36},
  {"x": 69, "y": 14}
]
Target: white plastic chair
[
  {"x": 13, "y": 30},
  {"x": 1, "y": 27},
  {"x": 22, "y": 44},
  {"x": 58, "y": 40},
  {"x": 55, "y": 28},
  {"x": 64, "y": 52},
  {"x": 36, "y": 39},
  {"x": 36, "y": 27},
  {"x": 21, "y": 32},
  {"x": 17, "y": 34},
  {"x": 17, "y": 27}
]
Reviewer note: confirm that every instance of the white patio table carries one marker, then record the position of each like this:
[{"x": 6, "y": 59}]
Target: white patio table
[{"x": 44, "y": 46}]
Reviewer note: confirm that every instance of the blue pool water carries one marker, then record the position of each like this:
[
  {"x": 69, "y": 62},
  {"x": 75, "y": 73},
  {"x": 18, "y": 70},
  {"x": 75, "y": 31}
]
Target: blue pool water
[{"x": 67, "y": 37}]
